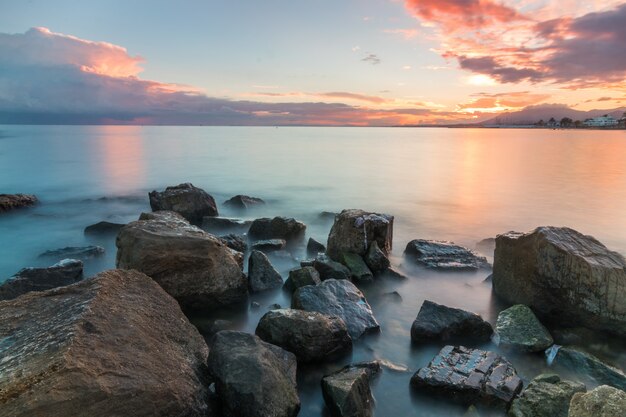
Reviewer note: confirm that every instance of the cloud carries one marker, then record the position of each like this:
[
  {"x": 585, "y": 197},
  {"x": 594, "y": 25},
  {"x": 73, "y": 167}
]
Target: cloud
[
  {"x": 405, "y": 33},
  {"x": 371, "y": 59},
  {"x": 503, "y": 101}
]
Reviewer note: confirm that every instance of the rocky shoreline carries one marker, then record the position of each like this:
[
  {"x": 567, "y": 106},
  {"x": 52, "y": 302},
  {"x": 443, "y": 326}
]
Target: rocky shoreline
[{"x": 121, "y": 342}]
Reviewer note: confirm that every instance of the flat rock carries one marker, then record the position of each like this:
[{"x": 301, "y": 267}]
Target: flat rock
[
  {"x": 74, "y": 252},
  {"x": 545, "y": 396},
  {"x": 313, "y": 247},
  {"x": 436, "y": 322},
  {"x": 329, "y": 269},
  {"x": 114, "y": 345},
  {"x": 338, "y": 298},
  {"x": 347, "y": 392},
  {"x": 15, "y": 201},
  {"x": 253, "y": 378},
  {"x": 437, "y": 254},
  {"x": 261, "y": 274},
  {"x": 66, "y": 272},
  {"x": 269, "y": 245},
  {"x": 310, "y": 335},
  {"x": 225, "y": 224},
  {"x": 277, "y": 228},
  {"x": 354, "y": 230},
  {"x": 306, "y": 275},
  {"x": 603, "y": 401},
  {"x": 469, "y": 376},
  {"x": 243, "y": 202},
  {"x": 235, "y": 242},
  {"x": 103, "y": 228},
  {"x": 191, "y": 202},
  {"x": 359, "y": 272},
  {"x": 563, "y": 276},
  {"x": 518, "y": 328},
  {"x": 586, "y": 366}
]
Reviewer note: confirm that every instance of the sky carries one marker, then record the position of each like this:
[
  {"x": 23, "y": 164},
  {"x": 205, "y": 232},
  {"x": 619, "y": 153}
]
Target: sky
[{"x": 316, "y": 62}]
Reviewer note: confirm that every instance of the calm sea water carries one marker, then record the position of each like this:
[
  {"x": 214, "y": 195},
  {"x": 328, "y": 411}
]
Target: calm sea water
[{"x": 453, "y": 184}]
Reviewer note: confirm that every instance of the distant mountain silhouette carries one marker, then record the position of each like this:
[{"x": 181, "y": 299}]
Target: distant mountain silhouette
[{"x": 532, "y": 114}]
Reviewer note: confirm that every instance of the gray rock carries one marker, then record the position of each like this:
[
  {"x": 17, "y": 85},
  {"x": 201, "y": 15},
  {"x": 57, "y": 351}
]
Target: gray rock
[
  {"x": 191, "y": 202},
  {"x": 300, "y": 277},
  {"x": 214, "y": 326},
  {"x": 546, "y": 396},
  {"x": 359, "y": 271},
  {"x": 74, "y": 252},
  {"x": 103, "y": 228},
  {"x": 261, "y": 274},
  {"x": 393, "y": 273},
  {"x": 469, "y": 376},
  {"x": 443, "y": 255},
  {"x": 563, "y": 276},
  {"x": 354, "y": 231},
  {"x": 518, "y": 328},
  {"x": 313, "y": 247},
  {"x": 437, "y": 322},
  {"x": 243, "y": 202},
  {"x": 66, "y": 272},
  {"x": 586, "y": 366},
  {"x": 603, "y": 401},
  {"x": 393, "y": 296},
  {"x": 235, "y": 242},
  {"x": 329, "y": 269},
  {"x": 347, "y": 392},
  {"x": 269, "y": 245},
  {"x": 253, "y": 378},
  {"x": 486, "y": 246},
  {"x": 338, "y": 298},
  {"x": 15, "y": 201},
  {"x": 376, "y": 259},
  {"x": 311, "y": 336},
  {"x": 277, "y": 228},
  {"x": 225, "y": 224}
]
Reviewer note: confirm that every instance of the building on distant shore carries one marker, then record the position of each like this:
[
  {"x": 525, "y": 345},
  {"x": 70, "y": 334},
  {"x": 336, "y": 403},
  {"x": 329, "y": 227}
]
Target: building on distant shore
[{"x": 602, "y": 121}]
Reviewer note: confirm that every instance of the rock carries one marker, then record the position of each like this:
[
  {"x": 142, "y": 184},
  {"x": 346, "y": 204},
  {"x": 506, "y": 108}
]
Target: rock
[
  {"x": 191, "y": 265},
  {"x": 15, "y": 201},
  {"x": 274, "y": 306},
  {"x": 376, "y": 259},
  {"x": 585, "y": 365},
  {"x": 114, "y": 345},
  {"x": 359, "y": 271},
  {"x": 269, "y": 245},
  {"x": 243, "y": 202},
  {"x": 486, "y": 246},
  {"x": 191, "y": 202},
  {"x": 329, "y": 269},
  {"x": 437, "y": 322},
  {"x": 313, "y": 247},
  {"x": 347, "y": 392},
  {"x": 327, "y": 216},
  {"x": 469, "y": 376},
  {"x": 300, "y": 277},
  {"x": 471, "y": 411},
  {"x": 66, "y": 272},
  {"x": 546, "y": 396},
  {"x": 277, "y": 228},
  {"x": 253, "y": 378},
  {"x": 235, "y": 242},
  {"x": 212, "y": 327},
  {"x": 354, "y": 231},
  {"x": 437, "y": 254},
  {"x": 603, "y": 401},
  {"x": 518, "y": 328},
  {"x": 393, "y": 296},
  {"x": 394, "y": 273},
  {"x": 261, "y": 274},
  {"x": 224, "y": 224},
  {"x": 338, "y": 298},
  {"x": 74, "y": 252},
  {"x": 311, "y": 336},
  {"x": 103, "y": 228},
  {"x": 562, "y": 275}
]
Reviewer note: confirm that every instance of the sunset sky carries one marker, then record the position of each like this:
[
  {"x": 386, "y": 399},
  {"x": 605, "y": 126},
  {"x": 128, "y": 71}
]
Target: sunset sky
[{"x": 354, "y": 62}]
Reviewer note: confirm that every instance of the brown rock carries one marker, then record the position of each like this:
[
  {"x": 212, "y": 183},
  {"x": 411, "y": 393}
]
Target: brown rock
[
  {"x": 15, "y": 201},
  {"x": 354, "y": 231}
]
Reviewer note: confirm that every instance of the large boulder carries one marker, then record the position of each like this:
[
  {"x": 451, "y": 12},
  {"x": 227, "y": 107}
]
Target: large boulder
[
  {"x": 261, "y": 274},
  {"x": 243, "y": 202},
  {"x": 437, "y": 254},
  {"x": 66, "y": 272},
  {"x": 354, "y": 231},
  {"x": 603, "y": 401},
  {"x": 436, "y": 322},
  {"x": 311, "y": 336},
  {"x": 15, "y": 201},
  {"x": 469, "y": 376},
  {"x": 563, "y": 275},
  {"x": 518, "y": 328},
  {"x": 586, "y": 366},
  {"x": 253, "y": 378},
  {"x": 114, "y": 345},
  {"x": 191, "y": 202},
  {"x": 546, "y": 396},
  {"x": 193, "y": 266},
  {"x": 276, "y": 228},
  {"x": 347, "y": 392},
  {"x": 338, "y": 298}
]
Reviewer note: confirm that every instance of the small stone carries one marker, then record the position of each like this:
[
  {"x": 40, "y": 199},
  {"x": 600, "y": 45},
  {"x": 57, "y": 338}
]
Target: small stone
[
  {"x": 302, "y": 276},
  {"x": 329, "y": 269},
  {"x": 243, "y": 202},
  {"x": 358, "y": 269},
  {"x": 313, "y": 247},
  {"x": 103, "y": 228},
  {"x": 518, "y": 328},
  {"x": 261, "y": 274}
]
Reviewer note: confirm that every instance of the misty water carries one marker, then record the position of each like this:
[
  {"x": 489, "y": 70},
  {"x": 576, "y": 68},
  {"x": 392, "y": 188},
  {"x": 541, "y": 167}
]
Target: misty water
[{"x": 462, "y": 185}]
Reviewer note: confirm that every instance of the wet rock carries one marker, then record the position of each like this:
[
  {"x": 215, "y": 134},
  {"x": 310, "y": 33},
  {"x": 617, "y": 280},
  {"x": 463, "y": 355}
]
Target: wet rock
[
  {"x": 277, "y": 228},
  {"x": 66, "y": 272},
  {"x": 191, "y": 202},
  {"x": 225, "y": 224},
  {"x": 376, "y": 259},
  {"x": 359, "y": 271},
  {"x": 518, "y": 328},
  {"x": 193, "y": 266},
  {"x": 105, "y": 346},
  {"x": 585, "y": 365},
  {"x": 393, "y": 296},
  {"x": 329, "y": 269},
  {"x": 74, "y": 252},
  {"x": 486, "y": 246},
  {"x": 354, "y": 231},
  {"x": 436, "y": 254},
  {"x": 253, "y": 378},
  {"x": 469, "y": 376},
  {"x": 269, "y": 245},
  {"x": 261, "y": 274},
  {"x": 15, "y": 201},
  {"x": 300, "y": 277},
  {"x": 603, "y": 401},
  {"x": 564, "y": 276},
  {"x": 243, "y": 202},
  {"x": 436, "y": 322},
  {"x": 311, "y": 336},
  {"x": 347, "y": 392},
  {"x": 235, "y": 242},
  {"x": 546, "y": 396},
  {"x": 274, "y": 306},
  {"x": 103, "y": 228},
  {"x": 338, "y": 298},
  {"x": 393, "y": 273},
  {"x": 212, "y": 327},
  {"x": 313, "y": 247}
]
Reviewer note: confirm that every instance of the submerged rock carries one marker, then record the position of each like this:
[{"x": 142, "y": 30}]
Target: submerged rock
[
  {"x": 354, "y": 231},
  {"x": 307, "y": 275},
  {"x": 603, "y": 401},
  {"x": 313, "y": 247},
  {"x": 338, "y": 298},
  {"x": 310, "y": 335},
  {"x": 376, "y": 259},
  {"x": 518, "y": 328},
  {"x": 269, "y": 245},
  {"x": 15, "y": 201},
  {"x": 546, "y": 396},
  {"x": 193, "y": 266},
  {"x": 329, "y": 269},
  {"x": 563, "y": 275},
  {"x": 66, "y": 272},
  {"x": 253, "y": 378},
  {"x": 438, "y": 254},
  {"x": 359, "y": 271},
  {"x": 347, "y": 392},
  {"x": 225, "y": 224},
  {"x": 103, "y": 228},
  {"x": 486, "y": 246},
  {"x": 190, "y": 202},
  {"x": 261, "y": 274},
  {"x": 74, "y": 252},
  {"x": 243, "y": 202},
  {"x": 235, "y": 242},
  {"x": 469, "y": 376},
  {"x": 585, "y": 365},
  {"x": 106, "y": 346},
  {"x": 437, "y": 322},
  {"x": 277, "y": 228}
]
